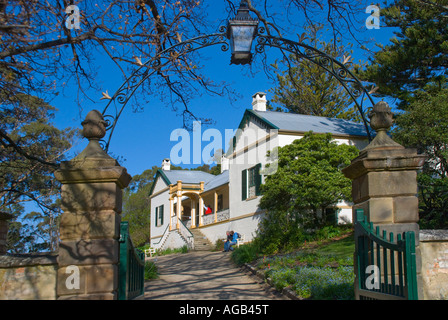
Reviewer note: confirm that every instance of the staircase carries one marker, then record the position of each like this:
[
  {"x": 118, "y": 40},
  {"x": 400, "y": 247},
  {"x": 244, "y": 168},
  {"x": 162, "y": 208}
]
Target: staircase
[{"x": 201, "y": 243}]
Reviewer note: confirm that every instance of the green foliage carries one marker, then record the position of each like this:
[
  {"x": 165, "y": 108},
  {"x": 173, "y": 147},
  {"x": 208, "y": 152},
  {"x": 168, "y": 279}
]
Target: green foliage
[
  {"x": 151, "y": 271},
  {"x": 424, "y": 125},
  {"x": 413, "y": 68},
  {"x": 417, "y": 55},
  {"x": 30, "y": 144},
  {"x": 307, "y": 182},
  {"x": 136, "y": 206},
  {"x": 433, "y": 201},
  {"x": 306, "y": 88},
  {"x": 183, "y": 249},
  {"x": 336, "y": 251},
  {"x": 340, "y": 250},
  {"x": 309, "y": 175},
  {"x": 315, "y": 283},
  {"x": 325, "y": 272},
  {"x": 245, "y": 253},
  {"x": 327, "y": 232}
]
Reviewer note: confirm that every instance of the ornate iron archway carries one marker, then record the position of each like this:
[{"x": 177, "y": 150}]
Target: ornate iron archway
[
  {"x": 151, "y": 67},
  {"x": 357, "y": 91}
]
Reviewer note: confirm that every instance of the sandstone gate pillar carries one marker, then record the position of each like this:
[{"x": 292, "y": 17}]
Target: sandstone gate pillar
[
  {"x": 384, "y": 180},
  {"x": 91, "y": 195}
]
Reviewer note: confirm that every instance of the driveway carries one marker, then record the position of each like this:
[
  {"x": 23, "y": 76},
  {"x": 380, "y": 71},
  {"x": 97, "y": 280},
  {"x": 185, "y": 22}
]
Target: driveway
[{"x": 202, "y": 275}]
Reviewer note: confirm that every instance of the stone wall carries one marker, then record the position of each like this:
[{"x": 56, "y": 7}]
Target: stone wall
[
  {"x": 28, "y": 277},
  {"x": 434, "y": 264}
]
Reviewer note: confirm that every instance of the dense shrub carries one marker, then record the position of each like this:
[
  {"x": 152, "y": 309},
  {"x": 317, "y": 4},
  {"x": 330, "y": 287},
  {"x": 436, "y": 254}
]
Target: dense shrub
[{"x": 245, "y": 253}]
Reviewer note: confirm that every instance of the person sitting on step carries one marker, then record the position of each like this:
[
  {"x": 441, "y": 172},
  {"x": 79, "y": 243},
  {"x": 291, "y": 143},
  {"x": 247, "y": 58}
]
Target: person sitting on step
[{"x": 232, "y": 238}]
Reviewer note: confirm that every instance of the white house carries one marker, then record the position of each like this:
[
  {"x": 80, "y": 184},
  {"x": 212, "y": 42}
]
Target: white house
[{"x": 211, "y": 205}]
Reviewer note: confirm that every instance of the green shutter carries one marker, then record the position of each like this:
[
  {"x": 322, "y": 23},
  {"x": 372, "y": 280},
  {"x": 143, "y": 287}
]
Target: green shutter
[
  {"x": 244, "y": 184},
  {"x": 257, "y": 179},
  {"x": 156, "y": 222}
]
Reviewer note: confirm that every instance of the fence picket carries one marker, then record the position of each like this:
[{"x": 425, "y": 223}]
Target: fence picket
[
  {"x": 131, "y": 267},
  {"x": 383, "y": 251}
]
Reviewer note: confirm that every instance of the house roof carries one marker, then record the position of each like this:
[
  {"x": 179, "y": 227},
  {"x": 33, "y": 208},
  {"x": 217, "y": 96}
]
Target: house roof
[
  {"x": 292, "y": 122},
  {"x": 217, "y": 181},
  {"x": 304, "y": 123}
]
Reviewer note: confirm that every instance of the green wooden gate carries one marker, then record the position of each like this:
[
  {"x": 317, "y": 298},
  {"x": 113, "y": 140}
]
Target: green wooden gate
[
  {"x": 386, "y": 266},
  {"x": 131, "y": 271}
]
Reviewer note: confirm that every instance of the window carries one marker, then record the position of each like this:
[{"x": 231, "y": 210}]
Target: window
[
  {"x": 159, "y": 216},
  {"x": 251, "y": 181}
]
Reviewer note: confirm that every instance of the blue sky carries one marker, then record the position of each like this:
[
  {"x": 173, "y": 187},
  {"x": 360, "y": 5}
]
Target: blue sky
[{"x": 143, "y": 139}]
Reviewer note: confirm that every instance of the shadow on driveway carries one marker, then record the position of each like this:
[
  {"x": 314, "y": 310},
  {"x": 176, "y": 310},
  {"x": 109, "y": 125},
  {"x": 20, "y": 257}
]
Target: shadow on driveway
[{"x": 201, "y": 275}]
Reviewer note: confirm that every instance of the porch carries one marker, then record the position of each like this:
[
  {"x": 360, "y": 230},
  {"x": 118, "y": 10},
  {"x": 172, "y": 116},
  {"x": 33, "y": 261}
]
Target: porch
[{"x": 200, "y": 205}]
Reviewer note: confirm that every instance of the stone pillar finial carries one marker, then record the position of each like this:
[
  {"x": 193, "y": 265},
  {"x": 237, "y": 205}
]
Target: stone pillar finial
[
  {"x": 93, "y": 129},
  {"x": 94, "y": 126},
  {"x": 381, "y": 119}
]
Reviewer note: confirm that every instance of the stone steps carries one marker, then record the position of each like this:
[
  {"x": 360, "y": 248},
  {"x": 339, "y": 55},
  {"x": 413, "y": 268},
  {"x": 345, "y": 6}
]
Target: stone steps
[{"x": 201, "y": 243}]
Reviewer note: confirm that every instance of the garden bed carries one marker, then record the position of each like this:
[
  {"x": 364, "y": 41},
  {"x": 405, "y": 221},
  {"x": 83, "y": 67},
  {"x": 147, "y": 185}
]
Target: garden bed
[{"x": 317, "y": 271}]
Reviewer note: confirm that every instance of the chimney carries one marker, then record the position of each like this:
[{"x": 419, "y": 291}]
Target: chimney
[
  {"x": 225, "y": 163},
  {"x": 166, "y": 164},
  {"x": 259, "y": 101}
]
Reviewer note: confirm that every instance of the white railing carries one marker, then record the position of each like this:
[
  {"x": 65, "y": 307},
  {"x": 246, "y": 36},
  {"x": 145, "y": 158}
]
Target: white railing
[
  {"x": 162, "y": 240},
  {"x": 173, "y": 222},
  {"x": 186, "y": 234},
  {"x": 210, "y": 218}
]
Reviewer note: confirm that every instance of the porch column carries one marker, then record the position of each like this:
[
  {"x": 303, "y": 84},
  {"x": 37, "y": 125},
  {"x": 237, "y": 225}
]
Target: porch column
[
  {"x": 215, "y": 207},
  {"x": 91, "y": 200},
  {"x": 179, "y": 202},
  {"x": 201, "y": 210},
  {"x": 179, "y": 210},
  {"x": 384, "y": 180},
  {"x": 193, "y": 213},
  {"x": 171, "y": 211}
]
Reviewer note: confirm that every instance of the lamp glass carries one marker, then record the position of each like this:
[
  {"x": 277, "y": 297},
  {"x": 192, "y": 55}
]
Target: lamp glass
[{"x": 242, "y": 37}]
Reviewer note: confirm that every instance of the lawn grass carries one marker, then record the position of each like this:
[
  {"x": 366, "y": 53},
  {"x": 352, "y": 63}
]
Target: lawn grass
[{"x": 339, "y": 249}]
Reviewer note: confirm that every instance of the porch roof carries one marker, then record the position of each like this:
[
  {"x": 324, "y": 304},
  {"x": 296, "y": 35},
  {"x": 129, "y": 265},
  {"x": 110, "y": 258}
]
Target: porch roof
[{"x": 186, "y": 176}]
